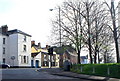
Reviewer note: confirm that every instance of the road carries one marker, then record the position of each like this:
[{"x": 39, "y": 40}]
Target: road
[{"x": 30, "y": 73}]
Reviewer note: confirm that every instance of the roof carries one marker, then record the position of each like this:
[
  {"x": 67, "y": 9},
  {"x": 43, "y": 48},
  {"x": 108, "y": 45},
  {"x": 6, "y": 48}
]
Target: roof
[
  {"x": 17, "y": 31},
  {"x": 4, "y": 34},
  {"x": 7, "y": 33},
  {"x": 63, "y": 49},
  {"x": 35, "y": 50},
  {"x": 83, "y": 57}
]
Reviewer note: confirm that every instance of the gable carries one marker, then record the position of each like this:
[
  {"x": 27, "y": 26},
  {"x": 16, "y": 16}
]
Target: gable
[{"x": 34, "y": 50}]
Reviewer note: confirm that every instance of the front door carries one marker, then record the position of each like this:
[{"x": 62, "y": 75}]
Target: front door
[
  {"x": 37, "y": 63},
  {"x": 32, "y": 63}
]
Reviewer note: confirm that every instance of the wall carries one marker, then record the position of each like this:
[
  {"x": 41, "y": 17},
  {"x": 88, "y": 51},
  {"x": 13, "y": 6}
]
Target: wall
[
  {"x": 38, "y": 57},
  {"x": 16, "y": 44},
  {"x": 13, "y": 49},
  {"x": 1, "y": 48},
  {"x": 21, "y": 52}
]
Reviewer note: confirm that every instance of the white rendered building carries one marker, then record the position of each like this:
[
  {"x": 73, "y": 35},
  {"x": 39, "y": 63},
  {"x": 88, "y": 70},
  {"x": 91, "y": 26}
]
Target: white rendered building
[{"x": 15, "y": 47}]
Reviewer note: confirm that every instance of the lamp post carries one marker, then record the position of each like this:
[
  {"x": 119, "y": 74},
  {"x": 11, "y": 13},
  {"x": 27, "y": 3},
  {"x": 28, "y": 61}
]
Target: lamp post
[{"x": 59, "y": 24}]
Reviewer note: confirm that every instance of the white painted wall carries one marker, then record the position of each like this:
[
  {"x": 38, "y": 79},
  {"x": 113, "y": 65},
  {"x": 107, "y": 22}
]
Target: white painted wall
[
  {"x": 21, "y": 52},
  {"x": 0, "y": 47},
  {"x": 13, "y": 49},
  {"x": 14, "y": 44},
  {"x": 6, "y": 48},
  {"x": 38, "y": 57}
]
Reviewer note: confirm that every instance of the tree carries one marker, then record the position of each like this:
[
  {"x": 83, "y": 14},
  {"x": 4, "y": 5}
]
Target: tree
[
  {"x": 114, "y": 29},
  {"x": 84, "y": 23}
]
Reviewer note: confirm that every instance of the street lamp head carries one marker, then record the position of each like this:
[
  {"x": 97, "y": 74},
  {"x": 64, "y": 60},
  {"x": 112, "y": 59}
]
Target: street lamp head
[{"x": 51, "y": 9}]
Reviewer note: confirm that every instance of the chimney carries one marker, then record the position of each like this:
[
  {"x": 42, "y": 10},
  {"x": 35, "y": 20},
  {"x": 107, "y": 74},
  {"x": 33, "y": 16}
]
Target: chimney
[
  {"x": 47, "y": 46},
  {"x": 39, "y": 45},
  {"x": 33, "y": 43},
  {"x": 4, "y": 29}
]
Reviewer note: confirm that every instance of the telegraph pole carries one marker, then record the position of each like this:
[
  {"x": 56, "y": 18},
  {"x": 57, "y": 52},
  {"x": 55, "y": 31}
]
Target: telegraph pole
[{"x": 59, "y": 26}]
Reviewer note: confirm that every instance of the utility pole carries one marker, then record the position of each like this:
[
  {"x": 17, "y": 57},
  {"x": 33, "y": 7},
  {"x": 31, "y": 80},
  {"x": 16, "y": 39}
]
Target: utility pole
[
  {"x": 61, "y": 60},
  {"x": 59, "y": 26},
  {"x": 50, "y": 53}
]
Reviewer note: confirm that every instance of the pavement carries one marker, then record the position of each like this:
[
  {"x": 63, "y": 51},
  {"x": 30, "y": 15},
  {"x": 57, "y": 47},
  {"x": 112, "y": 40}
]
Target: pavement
[{"x": 61, "y": 72}]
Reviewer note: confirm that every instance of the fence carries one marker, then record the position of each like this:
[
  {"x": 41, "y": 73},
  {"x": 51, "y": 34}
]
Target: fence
[{"x": 109, "y": 70}]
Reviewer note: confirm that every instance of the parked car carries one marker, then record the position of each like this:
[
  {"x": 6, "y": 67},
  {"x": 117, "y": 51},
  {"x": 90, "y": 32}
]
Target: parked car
[{"x": 4, "y": 65}]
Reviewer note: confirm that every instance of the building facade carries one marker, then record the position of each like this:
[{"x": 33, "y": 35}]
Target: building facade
[
  {"x": 15, "y": 47},
  {"x": 41, "y": 58}
]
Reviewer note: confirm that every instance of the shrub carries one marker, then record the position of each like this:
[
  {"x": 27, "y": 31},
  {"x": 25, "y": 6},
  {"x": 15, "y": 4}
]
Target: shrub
[{"x": 107, "y": 70}]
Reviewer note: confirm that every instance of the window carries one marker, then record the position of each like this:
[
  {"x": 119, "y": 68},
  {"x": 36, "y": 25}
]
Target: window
[
  {"x": 24, "y": 48},
  {"x": 25, "y": 59},
  {"x": 3, "y": 50},
  {"x": 3, "y": 40},
  {"x": 24, "y": 38},
  {"x": 3, "y": 60},
  {"x": 45, "y": 57}
]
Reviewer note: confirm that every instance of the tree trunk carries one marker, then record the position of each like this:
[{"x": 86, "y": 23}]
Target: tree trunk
[
  {"x": 105, "y": 56},
  {"x": 115, "y": 31},
  {"x": 79, "y": 62},
  {"x": 89, "y": 34},
  {"x": 98, "y": 57},
  {"x": 95, "y": 56}
]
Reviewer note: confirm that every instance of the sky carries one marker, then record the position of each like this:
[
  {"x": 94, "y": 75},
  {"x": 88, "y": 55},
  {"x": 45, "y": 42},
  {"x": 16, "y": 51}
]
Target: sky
[{"x": 30, "y": 16}]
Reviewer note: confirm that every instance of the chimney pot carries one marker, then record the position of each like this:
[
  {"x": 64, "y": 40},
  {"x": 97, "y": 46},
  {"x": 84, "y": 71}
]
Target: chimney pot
[
  {"x": 4, "y": 29},
  {"x": 39, "y": 45},
  {"x": 32, "y": 43}
]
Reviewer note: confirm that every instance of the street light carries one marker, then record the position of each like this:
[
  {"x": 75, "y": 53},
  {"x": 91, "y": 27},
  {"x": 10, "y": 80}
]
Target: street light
[
  {"x": 61, "y": 60},
  {"x": 59, "y": 24}
]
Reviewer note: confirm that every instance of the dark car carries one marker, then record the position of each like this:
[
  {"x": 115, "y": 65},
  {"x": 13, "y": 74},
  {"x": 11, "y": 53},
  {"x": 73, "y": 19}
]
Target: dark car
[{"x": 3, "y": 65}]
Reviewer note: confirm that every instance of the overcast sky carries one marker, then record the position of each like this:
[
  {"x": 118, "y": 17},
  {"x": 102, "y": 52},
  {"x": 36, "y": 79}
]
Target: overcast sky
[{"x": 30, "y": 16}]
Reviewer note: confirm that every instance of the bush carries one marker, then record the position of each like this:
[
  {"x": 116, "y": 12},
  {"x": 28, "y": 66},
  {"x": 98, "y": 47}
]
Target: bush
[{"x": 107, "y": 70}]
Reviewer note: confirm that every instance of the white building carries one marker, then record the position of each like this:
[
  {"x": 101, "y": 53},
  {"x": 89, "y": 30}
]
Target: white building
[
  {"x": 41, "y": 58},
  {"x": 15, "y": 47}
]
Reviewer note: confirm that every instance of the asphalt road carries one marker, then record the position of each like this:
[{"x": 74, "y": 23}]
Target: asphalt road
[{"x": 30, "y": 73}]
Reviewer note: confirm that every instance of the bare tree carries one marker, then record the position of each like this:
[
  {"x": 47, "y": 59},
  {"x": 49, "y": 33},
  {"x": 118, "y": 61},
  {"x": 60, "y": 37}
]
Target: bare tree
[
  {"x": 84, "y": 23},
  {"x": 114, "y": 29}
]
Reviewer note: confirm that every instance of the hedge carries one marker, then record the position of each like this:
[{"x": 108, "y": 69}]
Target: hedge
[{"x": 107, "y": 70}]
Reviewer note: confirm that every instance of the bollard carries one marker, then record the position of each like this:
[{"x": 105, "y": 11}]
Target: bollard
[
  {"x": 93, "y": 69},
  {"x": 108, "y": 70},
  {"x": 81, "y": 69}
]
